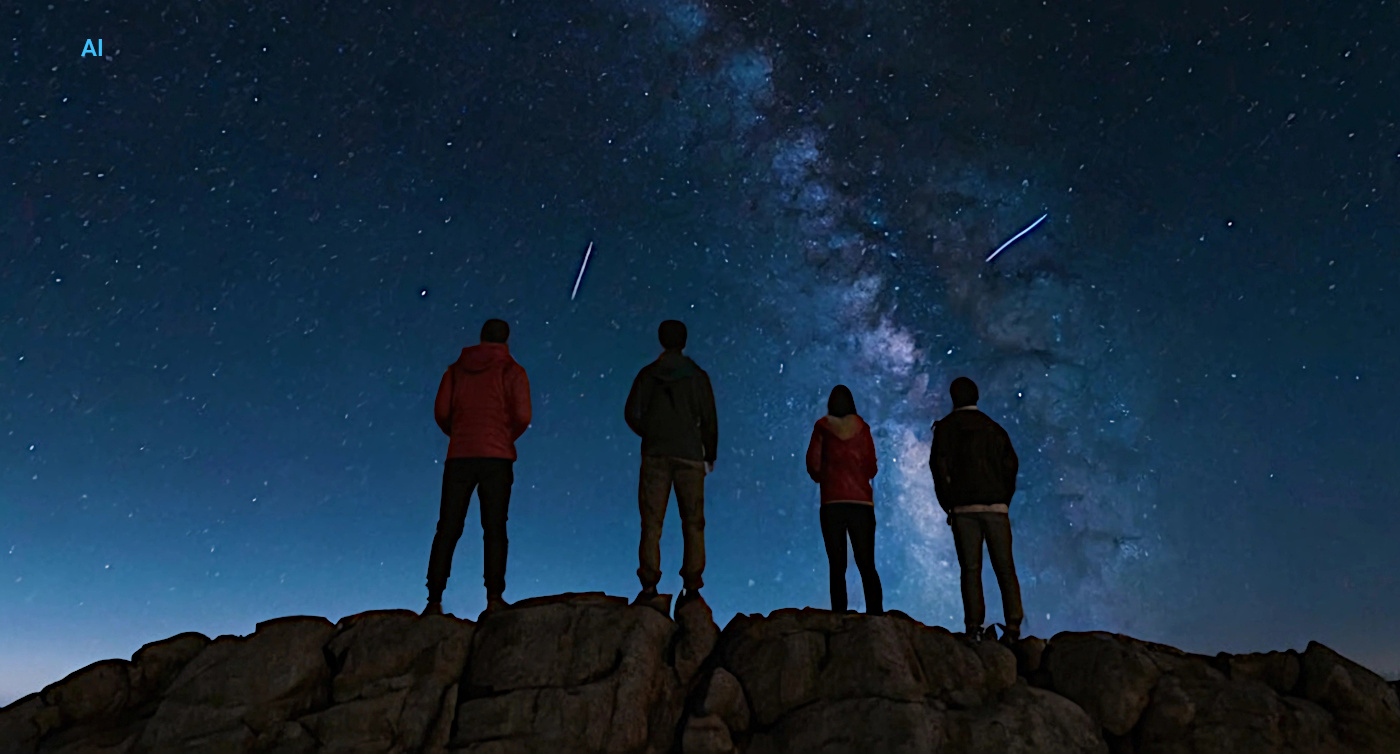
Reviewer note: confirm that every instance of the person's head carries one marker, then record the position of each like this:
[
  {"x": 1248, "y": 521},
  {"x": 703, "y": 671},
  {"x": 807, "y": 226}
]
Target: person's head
[
  {"x": 841, "y": 402},
  {"x": 964, "y": 392},
  {"x": 495, "y": 331},
  {"x": 672, "y": 335}
]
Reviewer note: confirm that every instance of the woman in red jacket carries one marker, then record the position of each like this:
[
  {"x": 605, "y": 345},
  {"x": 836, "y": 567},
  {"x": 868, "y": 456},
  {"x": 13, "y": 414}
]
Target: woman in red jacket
[{"x": 841, "y": 458}]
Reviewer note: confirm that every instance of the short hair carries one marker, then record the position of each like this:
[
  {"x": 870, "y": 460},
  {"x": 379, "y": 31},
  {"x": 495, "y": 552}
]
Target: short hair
[
  {"x": 672, "y": 334},
  {"x": 964, "y": 392},
  {"x": 841, "y": 402},
  {"x": 495, "y": 331}
]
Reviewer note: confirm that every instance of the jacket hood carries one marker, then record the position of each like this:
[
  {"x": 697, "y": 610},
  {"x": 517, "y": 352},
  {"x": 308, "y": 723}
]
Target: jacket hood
[
  {"x": 480, "y": 358},
  {"x": 843, "y": 427},
  {"x": 671, "y": 367}
]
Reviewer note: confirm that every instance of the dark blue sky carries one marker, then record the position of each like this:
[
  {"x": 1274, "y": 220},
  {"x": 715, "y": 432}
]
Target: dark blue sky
[{"x": 237, "y": 254}]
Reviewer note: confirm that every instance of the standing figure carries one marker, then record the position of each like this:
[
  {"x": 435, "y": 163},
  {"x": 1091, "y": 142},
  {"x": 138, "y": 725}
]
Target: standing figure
[
  {"x": 483, "y": 404},
  {"x": 672, "y": 408},
  {"x": 841, "y": 458},
  {"x": 974, "y": 475}
]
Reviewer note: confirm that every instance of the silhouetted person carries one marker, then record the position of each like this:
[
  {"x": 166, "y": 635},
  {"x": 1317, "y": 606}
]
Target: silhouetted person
[
  {"x": 672, "y": 408},
  {"x": 841, "y": 458},
  {"x": 974, "y": 475},
  {"x": 483, "y": 404}
]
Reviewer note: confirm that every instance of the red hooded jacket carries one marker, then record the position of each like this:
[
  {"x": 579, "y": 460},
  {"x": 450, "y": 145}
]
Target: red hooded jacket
[
  {"x": 483, "y": 403},
  {"x": 841, "y": 458}
]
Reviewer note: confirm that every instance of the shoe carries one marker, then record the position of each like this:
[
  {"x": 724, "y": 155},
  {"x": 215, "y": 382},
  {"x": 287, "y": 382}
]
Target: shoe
[
  {"x": 495, "y": 602},
  {"x": 645, "y": 596},
  {"x": 991, "y": 633},
  {"x": 972, "y": 636},
  {"x": 434, "y": 608},
  {"x": 1009, "y": 635}
]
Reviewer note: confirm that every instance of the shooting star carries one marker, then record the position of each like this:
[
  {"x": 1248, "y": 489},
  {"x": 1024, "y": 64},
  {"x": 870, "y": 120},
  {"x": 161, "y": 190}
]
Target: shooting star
[
  {"x": 583, "y": 268},
  {"x": 1028, "y": 229}
]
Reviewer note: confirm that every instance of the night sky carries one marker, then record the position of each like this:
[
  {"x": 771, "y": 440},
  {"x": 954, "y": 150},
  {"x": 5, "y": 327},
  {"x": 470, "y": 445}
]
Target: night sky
[{"x": 239, "y": 250}]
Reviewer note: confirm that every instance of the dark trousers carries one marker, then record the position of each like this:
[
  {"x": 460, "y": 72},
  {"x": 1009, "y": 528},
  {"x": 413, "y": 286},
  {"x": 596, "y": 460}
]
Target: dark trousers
[
  {"x": 858, "y": 521},
  {"x": 492, "y": 477},
  {"x": 969, "y": 531},
  {"x": 659, "y": 475}
]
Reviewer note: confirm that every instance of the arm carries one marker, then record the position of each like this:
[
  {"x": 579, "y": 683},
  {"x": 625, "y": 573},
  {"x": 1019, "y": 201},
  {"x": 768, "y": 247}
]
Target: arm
[
  {"x": 709, "y": 419},
  {"x": 938, "y": 466},
  {"x": 814, "y": 456},
  {"x": 1010, "y": 465},
  {"x": 872, "y": 466},
  {"x": 636, "y": 404},
  {"x": 442, "y": 406},
  {"x": 518, "y": 402}
]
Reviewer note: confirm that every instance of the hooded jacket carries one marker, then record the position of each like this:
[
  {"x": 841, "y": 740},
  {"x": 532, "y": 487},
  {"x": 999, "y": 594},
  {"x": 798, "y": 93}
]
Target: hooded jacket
[
  {"x": 672, "y": 408},
  {"x": 483, "y": 403},
  {"x": 841, "y": 458},
  {"x": 972, "y": 460}
]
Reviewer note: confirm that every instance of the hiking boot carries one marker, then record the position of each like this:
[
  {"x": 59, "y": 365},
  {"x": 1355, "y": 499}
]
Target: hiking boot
[
  {"x": 495, "y": 602},
  {"x": 646, "y": 596},
  {"x": 1010, "y": 635},
  {"x": 972, "y": 636},
  {"x": 434, "y": 608}
]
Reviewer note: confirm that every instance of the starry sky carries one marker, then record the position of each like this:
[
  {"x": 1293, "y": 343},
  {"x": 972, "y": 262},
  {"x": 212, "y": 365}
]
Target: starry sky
[{"x": 238, "y": 251}]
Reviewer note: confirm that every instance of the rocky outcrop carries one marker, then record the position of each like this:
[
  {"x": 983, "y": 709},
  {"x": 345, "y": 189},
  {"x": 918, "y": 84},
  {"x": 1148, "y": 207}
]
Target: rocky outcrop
[{"x": 590, "y": 673}]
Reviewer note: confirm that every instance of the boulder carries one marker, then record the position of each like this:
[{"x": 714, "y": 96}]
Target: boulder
[
  {"x": 818, "y": 681},
  {"x": 1024, "y": 720},
  {"x": 392, "y": 673},
  {"x": 706, "y": 735},
  {"x": 724, "y": 697},
  {"x": 240, "y": 687},
  {"x": 1365, "y": 706},
  {"x": 1110, "y": 676},
  {"x": 578, "y": 672},
  {"x": 1277, "y": 670},
  {"x": 695, "y": 639},
  {"x": 590, "y": 673},
  {"x": 24, "y": 722},
  {"x": 1208, "y": 713}
]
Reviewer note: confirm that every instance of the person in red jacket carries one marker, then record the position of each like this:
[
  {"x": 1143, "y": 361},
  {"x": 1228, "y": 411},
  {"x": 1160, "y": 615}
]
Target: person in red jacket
[
  {"x": 483, "y": 405},
  {"x": 841, "y": 458}
]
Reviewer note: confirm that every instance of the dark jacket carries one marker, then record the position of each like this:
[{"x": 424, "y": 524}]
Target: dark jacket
[
  {"x": 483, "y": 403},
  {"x": 841, "y": 458},
  {"x": 672, "y": 408},
  {"x": 972, "y": 460}
]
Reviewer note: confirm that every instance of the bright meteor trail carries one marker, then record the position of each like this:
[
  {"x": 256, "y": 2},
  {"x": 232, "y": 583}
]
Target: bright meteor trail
[
  {"x": 586, "y": 254},
  {"x": 1028, "y": 229}
]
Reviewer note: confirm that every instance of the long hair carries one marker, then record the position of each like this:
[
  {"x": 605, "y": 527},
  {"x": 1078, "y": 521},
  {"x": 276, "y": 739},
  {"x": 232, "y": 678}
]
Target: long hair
[{"x": 841, "y": 402}]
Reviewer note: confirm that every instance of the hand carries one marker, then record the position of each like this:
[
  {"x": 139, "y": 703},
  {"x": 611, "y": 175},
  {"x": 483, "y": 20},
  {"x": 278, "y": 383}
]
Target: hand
[{"x": 709, "y": 467}]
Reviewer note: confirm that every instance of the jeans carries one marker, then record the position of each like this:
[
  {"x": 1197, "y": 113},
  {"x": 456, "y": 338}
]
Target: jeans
[
  {"x": 969, "y": 531},
  {"x": 858, "y": 521},
  {"x": 659, "y": 474},
  {"x": 492, "y": 478}
]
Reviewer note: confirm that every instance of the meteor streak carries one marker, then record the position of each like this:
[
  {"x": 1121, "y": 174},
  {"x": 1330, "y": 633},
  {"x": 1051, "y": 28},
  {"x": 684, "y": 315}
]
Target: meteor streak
[
  {"x": 1028, "y": 229},
  {"x": 584, "y": 267}
]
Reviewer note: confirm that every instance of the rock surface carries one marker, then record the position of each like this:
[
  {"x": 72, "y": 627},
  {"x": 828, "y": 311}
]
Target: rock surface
[{"x": 590, "y": 673}]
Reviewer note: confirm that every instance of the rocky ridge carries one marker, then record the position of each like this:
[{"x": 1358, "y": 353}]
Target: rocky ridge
[{"x": 589, "y": 673}]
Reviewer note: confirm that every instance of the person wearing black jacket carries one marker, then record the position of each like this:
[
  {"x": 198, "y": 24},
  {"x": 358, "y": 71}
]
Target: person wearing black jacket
[
  {"x": 974, "y": 475},
  {"x": 672, "y": 408}
]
